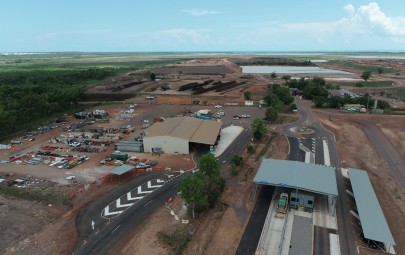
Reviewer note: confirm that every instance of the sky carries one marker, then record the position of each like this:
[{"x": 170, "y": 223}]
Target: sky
[{"x": 209, "y": 25}]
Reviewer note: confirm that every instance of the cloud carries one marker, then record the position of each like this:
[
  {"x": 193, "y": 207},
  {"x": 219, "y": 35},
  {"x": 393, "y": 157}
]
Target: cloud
[
  {"x": 349, "y": 9},
  {"x": 182, "y": 35},
  {"x": 367, "y": 20},
  {"x": 201, "y": 12},
  {"x": 372, "y": 17}
]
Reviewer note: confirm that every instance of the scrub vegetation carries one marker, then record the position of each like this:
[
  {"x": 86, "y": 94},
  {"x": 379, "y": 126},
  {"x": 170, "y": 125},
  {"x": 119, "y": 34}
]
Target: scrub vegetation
[{"x": 34, "y": 89}]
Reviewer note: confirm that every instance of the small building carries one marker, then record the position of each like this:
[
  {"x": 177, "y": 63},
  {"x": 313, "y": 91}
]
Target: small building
[
  {"x": 129, "y": 146},
  {"x": 301, "y": 199},
  {"x": 176, "y": 135}
]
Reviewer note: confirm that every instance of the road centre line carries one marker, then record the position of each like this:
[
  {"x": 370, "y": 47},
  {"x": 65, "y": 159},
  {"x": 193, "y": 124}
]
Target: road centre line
[{"x": 115, "y": 229}]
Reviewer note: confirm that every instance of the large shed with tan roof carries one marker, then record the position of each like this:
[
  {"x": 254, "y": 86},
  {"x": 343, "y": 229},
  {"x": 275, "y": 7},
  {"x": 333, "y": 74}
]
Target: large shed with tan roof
[{"x": 174, "y": 135}]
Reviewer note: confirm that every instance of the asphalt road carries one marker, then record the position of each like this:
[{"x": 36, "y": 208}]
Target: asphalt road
[
  {"x": 112, "y": 233},
  {"x": 251, "y": 236},
  {"x": 345, "y": 229},
  {"x": 92, "y": 212},
  {"x": 107, "y": 233}
]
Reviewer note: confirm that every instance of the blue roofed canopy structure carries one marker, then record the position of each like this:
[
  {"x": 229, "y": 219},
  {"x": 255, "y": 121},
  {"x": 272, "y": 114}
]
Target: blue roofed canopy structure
[
  {"x": 121, "y": 169},
  {"x": 372, "y": 219},
  {"x": 298, "y": 175}
]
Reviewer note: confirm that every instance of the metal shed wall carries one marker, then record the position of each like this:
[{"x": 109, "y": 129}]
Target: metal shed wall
[{"x": 168, "y": 144}]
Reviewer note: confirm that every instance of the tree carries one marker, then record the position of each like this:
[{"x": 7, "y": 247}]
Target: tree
[
  {"x": 271, "y": 114},
  {"x": 202, "y": 189},
  {"x": 273, "y": 75},
  {"x": 152, "y": 76},
  {"x": 209, "y": 165},
  {"x": 286, "y": 78},
  {"x": 380, "y": 70},
  {"x": 366, "y": 75},
  {"x": 292, "y": 107},
  {"x": 248, "y": 95},
  {"x": 250, "y": 149},
  {"x": 192, "y": 190},
  {"x": 319, "y": 101},
  {"x": 259, "y": 129},
  {"x": 237, "y": 160}
]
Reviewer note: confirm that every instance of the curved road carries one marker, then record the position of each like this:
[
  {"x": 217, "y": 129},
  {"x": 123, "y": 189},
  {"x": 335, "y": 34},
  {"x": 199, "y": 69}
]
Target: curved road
[
  {"x": 112, "y": 232},
  {"x": 108, "y": 233}
]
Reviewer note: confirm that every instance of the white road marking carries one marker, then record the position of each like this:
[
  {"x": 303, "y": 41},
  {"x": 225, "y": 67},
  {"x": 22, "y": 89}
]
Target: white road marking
[
  {"x": 115, "y": 229},
  {"x": 119, "y": 205},
  {"x": 150, "y": 186},
  {"x": 143, "y": 192},
  {"x": 147, "y": 203},
  {"x": 107, "y": 211},
  {"x": 129, "y": 197}
]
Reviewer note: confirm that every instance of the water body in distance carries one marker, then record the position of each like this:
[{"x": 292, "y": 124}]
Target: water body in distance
[{"x": 290, "y": 70}]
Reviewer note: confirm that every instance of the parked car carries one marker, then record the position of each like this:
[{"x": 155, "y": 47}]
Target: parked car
[
  {"x": 218, "y": 106},
  {"x": 245, "y": 116},
  {"x": 221, "y": 113},
  {"x": 75, "y": 144},
  {"x": 236, "y": 117},
  {"x": 153, "y": 162},
  {"x": 139, "y": 139},
  {"x": 142, "y": 165}
]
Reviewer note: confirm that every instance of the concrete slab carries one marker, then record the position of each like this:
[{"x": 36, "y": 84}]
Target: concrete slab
[
  {"x": 302, "y": 235},
  {"x": 228, "y": 135}
]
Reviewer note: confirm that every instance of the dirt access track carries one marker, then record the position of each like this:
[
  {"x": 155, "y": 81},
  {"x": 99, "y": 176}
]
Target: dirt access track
[{"x": 375, "y": 143}]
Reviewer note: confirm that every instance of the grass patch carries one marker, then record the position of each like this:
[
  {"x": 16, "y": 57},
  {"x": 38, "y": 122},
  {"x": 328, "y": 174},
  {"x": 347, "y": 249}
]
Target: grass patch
[
  {"x": 267, "y": 146},
  {"x": 176, "y": 242},
  {"x": 399, "y": 93},
  {"x": 374, "y": 84},
  {"x": 371, "y": 68}
]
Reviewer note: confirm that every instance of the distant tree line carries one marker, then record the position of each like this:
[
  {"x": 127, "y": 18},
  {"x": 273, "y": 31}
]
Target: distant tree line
[
  {"x": 272, "y": 61},
  {"x": 29, "y": 96}
]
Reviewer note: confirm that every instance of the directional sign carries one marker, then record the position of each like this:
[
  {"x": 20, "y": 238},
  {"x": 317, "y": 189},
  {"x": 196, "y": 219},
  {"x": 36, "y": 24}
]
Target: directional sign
[{"x": 129, "y": 199}]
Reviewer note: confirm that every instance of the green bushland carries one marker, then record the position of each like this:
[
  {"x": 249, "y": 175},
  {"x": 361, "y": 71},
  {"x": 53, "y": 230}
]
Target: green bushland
[
  {"x": 37, "y": 88},
  {"x": 370, "y": 84},
  {"x": 316, "y": 90}
]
